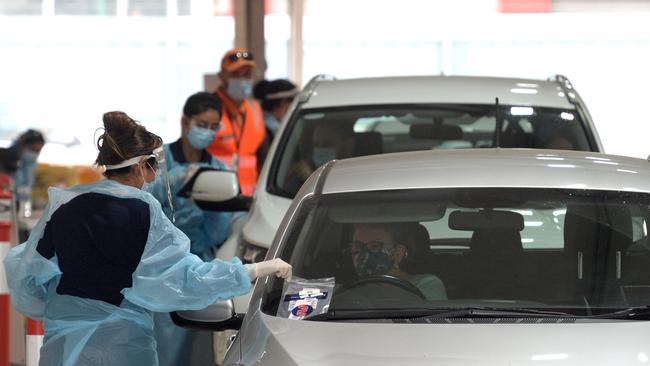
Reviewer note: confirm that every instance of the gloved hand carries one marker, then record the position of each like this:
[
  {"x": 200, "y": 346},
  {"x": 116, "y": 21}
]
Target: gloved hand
[{"x": 275, "y": 266}]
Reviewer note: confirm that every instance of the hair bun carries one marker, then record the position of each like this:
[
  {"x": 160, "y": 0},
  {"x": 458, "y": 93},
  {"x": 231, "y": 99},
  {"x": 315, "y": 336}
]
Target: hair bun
[
  {"x": 123, "y": 138},
  {"x": 118, "y": 124}
]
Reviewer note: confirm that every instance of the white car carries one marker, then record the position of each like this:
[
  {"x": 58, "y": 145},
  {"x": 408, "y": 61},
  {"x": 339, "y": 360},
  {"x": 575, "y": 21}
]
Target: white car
[
  {"x": 393, "y": 114},
  {"x": 542, "y": 256}
]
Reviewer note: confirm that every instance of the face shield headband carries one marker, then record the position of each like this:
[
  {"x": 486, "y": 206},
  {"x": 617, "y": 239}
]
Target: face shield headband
[{"x": 161, "y": 174}]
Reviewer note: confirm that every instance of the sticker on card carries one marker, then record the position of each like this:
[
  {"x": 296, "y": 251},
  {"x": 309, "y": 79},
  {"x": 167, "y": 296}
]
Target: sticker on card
[{"x": 303, "y": 298}]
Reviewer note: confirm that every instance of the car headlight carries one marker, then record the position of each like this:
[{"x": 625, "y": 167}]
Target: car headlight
[{"x": 250, "y": 253}]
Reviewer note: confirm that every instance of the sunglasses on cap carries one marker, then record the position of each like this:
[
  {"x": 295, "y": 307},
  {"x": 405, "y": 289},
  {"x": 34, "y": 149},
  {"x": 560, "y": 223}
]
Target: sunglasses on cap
[{"x": 241, "y": 54}]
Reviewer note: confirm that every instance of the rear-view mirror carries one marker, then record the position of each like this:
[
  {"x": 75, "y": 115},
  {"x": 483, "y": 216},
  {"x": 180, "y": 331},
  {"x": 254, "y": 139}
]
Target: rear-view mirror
[
  {"x": 485, "y": 219},
  {"x": 435, "y": 132},
  {"x": 216, "y": 317}
]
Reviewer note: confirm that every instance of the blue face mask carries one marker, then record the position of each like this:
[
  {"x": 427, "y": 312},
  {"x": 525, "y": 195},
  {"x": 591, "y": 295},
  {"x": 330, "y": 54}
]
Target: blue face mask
[
  {"x": 239, "y": 89},
  {"x": 200, "y": 138},
  {"x": 29, "y": 157},
  {"x": 147, "y": 187},
  {"x": 322, "y": 155},
  {"x": 373, "y": 262}
]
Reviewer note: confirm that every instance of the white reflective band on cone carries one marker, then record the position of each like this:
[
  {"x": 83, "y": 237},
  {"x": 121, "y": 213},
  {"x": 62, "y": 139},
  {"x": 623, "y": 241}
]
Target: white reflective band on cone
[
  {"x": 5, "y": 246},
  {"x": 33, "y": 350},
  {"x": 33, "y": 342}
]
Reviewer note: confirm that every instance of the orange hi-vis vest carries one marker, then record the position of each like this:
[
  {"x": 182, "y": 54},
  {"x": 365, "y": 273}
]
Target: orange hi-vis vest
[{"x": 241, "y": 135}]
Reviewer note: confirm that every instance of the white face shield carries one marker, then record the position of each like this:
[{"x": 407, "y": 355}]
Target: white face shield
[{"x": 161, "y": 173}]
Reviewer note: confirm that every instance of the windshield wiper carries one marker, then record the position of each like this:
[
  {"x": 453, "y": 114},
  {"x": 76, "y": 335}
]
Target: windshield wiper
[
  {"x": 438, "y": 313},
  {"x": 633, "y": 313},
  {"x": 348, "y": 314},
  {"x": 494, "y": 312}
]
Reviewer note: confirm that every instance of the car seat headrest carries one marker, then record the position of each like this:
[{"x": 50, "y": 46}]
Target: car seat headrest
[{"x": 368, "y": 143}]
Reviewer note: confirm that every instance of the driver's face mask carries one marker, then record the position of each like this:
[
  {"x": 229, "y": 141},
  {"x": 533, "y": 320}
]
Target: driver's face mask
[{"x": 372, "y": 258}]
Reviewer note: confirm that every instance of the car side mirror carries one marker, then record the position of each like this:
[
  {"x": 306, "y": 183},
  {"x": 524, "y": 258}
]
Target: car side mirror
[
  {"x": 216, "y": 317},
  {"x": 215, "y": 190}
]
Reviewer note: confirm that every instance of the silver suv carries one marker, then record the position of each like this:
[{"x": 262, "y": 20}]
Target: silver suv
[{"x": 335, "y": 119}]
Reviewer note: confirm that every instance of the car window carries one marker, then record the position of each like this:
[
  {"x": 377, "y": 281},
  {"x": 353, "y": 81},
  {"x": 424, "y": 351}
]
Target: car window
[
  {"x": 543, "y": 229},
  {"x": 581, "y": 250},
  {"x": 317, "y": 136}
]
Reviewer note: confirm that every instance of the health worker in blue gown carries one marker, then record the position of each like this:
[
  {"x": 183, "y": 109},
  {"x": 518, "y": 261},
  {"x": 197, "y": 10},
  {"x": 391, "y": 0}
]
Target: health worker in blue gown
[
  {"x": 206, "y": 229},
  {"x": 199, "y": 125},
  {"x": 104, "y": 257},
  {"x": 19, "y": 160}
]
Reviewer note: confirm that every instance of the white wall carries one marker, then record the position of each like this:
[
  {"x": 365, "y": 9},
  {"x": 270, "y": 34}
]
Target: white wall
[
  {"x": 606, "y": 55},
  {"x": 60, "y": 74}
]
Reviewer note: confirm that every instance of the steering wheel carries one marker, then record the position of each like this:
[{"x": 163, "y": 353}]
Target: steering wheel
[{"x": 386, "y": 279}]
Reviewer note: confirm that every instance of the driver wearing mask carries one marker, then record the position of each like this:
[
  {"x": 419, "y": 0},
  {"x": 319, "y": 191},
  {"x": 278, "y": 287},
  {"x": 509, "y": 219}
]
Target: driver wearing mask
[
  {"x": 330, "y": 140},
  {"x": 376, "y": 249}
]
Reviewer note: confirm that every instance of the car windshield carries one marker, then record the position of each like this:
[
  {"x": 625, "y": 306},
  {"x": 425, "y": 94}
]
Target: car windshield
[
  {"x": 585, "y": 252},
  {"x": 317, "y": 136}
]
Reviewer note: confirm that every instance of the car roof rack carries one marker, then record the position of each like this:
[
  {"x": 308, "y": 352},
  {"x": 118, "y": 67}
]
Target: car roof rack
[
  {"x": 309, "y": 89},
  {"x": 567, "y": 88}
]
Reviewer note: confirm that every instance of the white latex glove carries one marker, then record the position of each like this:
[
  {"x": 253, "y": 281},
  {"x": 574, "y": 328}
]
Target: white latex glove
[{"x": 275, "y": 266}]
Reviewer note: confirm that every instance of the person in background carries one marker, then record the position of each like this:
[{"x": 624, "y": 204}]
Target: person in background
[
  {"x": 206, "y": 229},
  {"x": 200, "y": 122},
  {"x": 19, "y": 160},
  {"x": 560, "y": 140},
  {"x": 104, "y": 256},
  {"x": 329, "y": 140},
  {"x": 240, "y": 141},
  {"x": 276, "y": 97}
]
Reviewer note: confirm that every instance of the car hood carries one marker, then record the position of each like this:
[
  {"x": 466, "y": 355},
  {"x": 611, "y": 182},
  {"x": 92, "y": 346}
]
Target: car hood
[
  {"x": 294, "y": 342},
  {"x": 265, "y": 217}
]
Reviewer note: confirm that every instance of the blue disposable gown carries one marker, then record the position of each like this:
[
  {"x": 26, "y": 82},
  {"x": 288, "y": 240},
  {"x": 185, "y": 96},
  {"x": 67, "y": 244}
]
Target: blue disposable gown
[
  {"x": 206, "y": 230},
  {"x": 85, "y": 331}
]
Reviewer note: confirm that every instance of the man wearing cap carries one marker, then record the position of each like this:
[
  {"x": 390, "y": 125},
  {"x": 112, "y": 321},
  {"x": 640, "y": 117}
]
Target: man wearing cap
[{"x": 242, "y": 131}]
